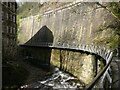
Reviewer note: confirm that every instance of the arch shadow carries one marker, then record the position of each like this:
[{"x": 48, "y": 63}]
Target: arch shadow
[
  {"x": 44, "y": 35},
  {"x": 39, "y": 56}
]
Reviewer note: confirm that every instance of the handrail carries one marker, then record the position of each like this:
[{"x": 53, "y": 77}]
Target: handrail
[
  {"x": 90, "y": 86},
  {"x": 101, "y": 51}
]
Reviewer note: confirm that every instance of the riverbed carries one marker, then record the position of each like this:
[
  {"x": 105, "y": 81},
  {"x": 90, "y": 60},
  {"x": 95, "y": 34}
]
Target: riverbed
[{"x": 58, "y": 80}]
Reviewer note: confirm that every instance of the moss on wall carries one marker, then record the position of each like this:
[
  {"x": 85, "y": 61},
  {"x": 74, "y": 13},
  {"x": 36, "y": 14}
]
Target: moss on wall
[
  {"x": 39, "y": 17},
  {"x": 74, "y": 25},
  {"x": 85, "y": 23},
  {"x": 79, "y": 64},
  {"x": 108, "y": 35}
]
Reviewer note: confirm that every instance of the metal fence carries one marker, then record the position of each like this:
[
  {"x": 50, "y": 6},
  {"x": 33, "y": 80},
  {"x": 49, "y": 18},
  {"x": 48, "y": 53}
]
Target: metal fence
[{"x": 101, "y": 51}]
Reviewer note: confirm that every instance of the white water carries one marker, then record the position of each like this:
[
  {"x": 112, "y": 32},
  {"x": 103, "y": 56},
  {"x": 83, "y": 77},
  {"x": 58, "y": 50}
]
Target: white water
[{"x": 60, "y": 80}]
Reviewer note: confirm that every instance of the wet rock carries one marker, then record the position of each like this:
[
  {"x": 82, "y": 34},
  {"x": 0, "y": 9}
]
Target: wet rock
[{"x": 59, "y": 80}]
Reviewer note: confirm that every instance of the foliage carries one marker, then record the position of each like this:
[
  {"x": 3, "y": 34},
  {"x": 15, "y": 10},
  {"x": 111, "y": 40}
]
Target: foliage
[
  {"x": 18, "y": 22},
  {"x": 113, "y": 41},
  {"x": 113, "y": 8},
  {"x": 114, "y": 26},
  {"x": 101, "y": 28},
  {"x": 28, "y": 9},
  {"x": 39, "y": 17}
]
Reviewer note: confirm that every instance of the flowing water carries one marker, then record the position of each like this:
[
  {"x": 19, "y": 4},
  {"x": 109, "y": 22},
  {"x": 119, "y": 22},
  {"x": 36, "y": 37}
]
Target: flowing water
[{"x": 60, "y": 80}]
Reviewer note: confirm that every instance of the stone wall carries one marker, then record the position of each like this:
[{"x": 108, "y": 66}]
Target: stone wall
[
  {"x": 81, "y": 65},
  {"x": 75, "y": 24}
]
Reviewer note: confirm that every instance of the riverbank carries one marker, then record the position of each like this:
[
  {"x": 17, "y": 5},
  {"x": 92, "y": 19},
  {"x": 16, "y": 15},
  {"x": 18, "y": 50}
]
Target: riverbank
[
  {"x": 18, "y": 73},
  {"x": 56, "y": 80},
  {"x": 35, "y": 73},
  {"x": 13, "y": 75}
]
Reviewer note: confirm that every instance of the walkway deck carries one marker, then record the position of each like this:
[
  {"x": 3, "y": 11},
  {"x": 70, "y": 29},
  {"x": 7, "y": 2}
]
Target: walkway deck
[{"x": 101, "y": 51}]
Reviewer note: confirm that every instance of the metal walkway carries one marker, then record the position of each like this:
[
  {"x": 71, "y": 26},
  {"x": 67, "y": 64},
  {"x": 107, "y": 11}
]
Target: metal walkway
[{"x": 100, "y": 51}]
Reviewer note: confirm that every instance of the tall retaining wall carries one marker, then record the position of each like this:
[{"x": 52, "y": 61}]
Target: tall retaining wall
[
  {"x": 81, "y": 65},
  {"x": 77, "y": 23},
  {"x": 73, "y": 24}
]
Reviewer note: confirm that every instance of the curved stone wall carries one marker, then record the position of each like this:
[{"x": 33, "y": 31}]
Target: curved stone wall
[{"x": 75, "y": 23}]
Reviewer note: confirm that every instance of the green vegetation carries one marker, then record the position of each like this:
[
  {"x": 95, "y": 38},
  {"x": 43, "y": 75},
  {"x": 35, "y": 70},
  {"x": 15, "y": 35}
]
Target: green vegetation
[
  {"x": 18, "y": 23},
  {"x": 18, "y": 26},
  {"x": 39, "y": 18},
  {"x": 34, "y": 8},
  {"x": 28, "y": 9},
  {"x": 113, "y": 40},
  {"x": 113, "y": 8},
  {"x": 114, "y": 35}
]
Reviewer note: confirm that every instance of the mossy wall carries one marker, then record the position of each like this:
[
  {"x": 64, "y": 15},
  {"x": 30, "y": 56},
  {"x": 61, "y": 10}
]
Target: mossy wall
[
  {"x": 81, "y": 65},
  {"x": 76, "y": 24}
]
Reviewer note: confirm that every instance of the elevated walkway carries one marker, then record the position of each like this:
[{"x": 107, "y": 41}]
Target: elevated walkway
[{"x": 100, "y": 51}]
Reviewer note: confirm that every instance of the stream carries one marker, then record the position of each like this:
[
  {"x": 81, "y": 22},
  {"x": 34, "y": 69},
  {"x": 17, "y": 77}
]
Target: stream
[{"x": 59, "y": 80}]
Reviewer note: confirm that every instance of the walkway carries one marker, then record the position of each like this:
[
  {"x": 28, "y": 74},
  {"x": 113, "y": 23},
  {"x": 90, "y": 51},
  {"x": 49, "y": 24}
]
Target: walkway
[{"x": 100, "y": 51}]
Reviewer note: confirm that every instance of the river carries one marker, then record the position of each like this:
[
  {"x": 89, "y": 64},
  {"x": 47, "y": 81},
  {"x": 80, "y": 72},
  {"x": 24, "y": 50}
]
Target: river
[{"x": 59, "y": 80}]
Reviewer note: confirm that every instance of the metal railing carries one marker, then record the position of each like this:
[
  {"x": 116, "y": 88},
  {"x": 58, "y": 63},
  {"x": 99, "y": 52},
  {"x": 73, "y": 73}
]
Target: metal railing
[{"x": 101, "y": 51}]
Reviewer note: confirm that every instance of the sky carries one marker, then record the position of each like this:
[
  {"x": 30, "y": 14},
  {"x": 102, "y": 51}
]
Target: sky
[{"x": 19, "y": 2}]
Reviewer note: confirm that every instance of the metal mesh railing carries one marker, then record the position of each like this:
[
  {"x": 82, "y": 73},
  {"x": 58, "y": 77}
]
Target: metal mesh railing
[{"x": 101, "y": 51}]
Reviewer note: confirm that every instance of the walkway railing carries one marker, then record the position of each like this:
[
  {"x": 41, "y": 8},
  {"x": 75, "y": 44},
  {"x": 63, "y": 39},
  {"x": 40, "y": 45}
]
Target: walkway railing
[{"x": 101, "y": 51}]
